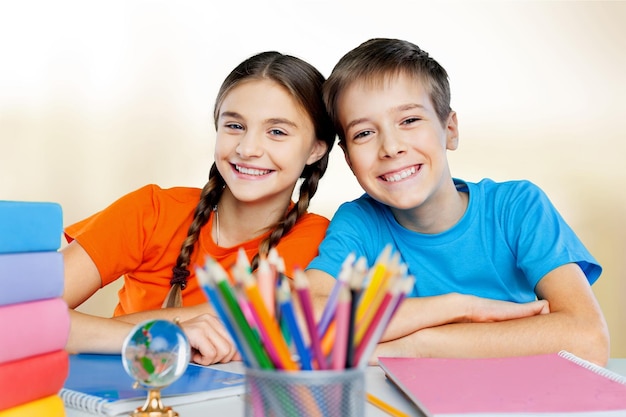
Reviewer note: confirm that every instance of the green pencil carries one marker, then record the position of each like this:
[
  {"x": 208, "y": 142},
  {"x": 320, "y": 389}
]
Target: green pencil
[{"x": 231, "y": 302}]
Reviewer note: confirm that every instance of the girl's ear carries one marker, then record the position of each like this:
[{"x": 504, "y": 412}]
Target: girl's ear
[
  {"x": 452, "y": 132},
  {"x": 319, "y": 149}
]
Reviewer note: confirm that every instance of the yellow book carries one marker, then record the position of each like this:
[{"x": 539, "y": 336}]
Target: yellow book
[{"x": 51, "y": 406}]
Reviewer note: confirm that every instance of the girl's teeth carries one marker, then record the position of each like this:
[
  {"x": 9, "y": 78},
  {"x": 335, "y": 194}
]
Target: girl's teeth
[{"x": 251, "y": 171}]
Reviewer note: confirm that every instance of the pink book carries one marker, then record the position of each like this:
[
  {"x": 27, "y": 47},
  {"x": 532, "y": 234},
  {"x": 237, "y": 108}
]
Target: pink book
[
  {"x": 33, "y": 328},
  {"x": 539, "y": 384}
]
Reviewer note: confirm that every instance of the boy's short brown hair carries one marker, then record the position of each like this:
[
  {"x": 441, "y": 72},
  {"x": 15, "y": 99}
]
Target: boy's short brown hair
[{"x": 379, "y": 58}]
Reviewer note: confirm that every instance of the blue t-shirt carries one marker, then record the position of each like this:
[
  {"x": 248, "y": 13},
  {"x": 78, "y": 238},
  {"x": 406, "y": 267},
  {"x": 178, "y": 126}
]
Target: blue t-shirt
[{"x": 508, "y": 239}]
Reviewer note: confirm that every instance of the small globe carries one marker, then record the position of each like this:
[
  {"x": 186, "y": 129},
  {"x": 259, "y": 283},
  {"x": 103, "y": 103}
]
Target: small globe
[{"x": 156, "y": 353}]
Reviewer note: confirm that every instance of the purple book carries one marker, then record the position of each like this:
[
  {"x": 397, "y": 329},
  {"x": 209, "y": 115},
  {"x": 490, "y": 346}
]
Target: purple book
[{"x": 30, "y": 276}]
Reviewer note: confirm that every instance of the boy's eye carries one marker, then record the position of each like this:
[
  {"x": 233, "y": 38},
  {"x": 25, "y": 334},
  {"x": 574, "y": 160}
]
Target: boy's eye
[
  {"x": 276, "y": 132},
  {"x": 410, "y": 120},
  {"x": 362, "y": 134}
]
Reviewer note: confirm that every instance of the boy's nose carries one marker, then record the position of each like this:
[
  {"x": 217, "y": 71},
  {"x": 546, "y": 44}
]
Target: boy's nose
[{"x": 391, "y": 146}]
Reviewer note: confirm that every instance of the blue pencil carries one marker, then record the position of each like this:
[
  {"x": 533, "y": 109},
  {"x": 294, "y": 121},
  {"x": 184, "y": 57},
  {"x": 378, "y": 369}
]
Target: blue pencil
[
  {"x": 286, "y": 309},
  {"x": 209, "y": 289}
]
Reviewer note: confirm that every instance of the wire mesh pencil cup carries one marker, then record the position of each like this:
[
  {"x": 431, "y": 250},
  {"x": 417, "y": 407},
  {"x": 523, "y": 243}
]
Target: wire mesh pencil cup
[{"x": 328, "y": 393}]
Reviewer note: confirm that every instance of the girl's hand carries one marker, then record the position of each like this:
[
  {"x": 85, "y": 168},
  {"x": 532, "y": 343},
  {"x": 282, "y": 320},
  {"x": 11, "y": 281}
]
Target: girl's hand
[
  {"x": 484, "y": 310},
  {"x": 209, "y": 340}
]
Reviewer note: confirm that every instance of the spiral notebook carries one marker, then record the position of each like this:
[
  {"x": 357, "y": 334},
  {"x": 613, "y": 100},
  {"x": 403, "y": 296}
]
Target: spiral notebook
[
  {"x": 100, "y": 385},
  {"x": 539, "y": 385}
]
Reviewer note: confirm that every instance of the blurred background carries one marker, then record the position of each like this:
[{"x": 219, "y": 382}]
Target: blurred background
[{"x": 98, "y": 98}]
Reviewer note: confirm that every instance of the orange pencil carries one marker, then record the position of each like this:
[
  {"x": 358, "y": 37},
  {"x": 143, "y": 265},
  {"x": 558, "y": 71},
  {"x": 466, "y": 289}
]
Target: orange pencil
[{"x": 268, "y": 325}]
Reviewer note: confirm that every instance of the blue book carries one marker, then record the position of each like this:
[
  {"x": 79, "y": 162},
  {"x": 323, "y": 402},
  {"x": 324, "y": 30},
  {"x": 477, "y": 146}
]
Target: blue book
[
  {"x": 99, "y": 384},
  {"x": 30, "y": 276},
  {"x": 30, "y": 226}
]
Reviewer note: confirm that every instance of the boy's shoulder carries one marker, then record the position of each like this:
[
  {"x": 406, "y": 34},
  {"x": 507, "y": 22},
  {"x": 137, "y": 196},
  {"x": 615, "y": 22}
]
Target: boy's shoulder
[{"x": 489, "y": 187}]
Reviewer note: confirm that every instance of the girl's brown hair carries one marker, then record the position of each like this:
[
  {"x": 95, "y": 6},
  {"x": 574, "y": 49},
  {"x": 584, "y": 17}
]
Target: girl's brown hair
[{"x": 304, "y": 82}]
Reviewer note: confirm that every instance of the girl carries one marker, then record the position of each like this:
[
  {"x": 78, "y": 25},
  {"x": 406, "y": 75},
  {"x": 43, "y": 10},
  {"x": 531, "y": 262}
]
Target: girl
[{"x": 272, "y": 130}]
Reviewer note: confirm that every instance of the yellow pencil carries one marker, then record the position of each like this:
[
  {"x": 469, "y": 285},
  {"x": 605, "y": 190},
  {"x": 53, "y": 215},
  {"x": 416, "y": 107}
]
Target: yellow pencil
[{"x": 392, "y": 411}]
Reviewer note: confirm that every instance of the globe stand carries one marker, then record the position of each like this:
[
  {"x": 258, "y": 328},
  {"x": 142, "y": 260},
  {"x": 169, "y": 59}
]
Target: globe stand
[
  {"x": 155, "y": 354},
  {"x": 153, "y": 407}
]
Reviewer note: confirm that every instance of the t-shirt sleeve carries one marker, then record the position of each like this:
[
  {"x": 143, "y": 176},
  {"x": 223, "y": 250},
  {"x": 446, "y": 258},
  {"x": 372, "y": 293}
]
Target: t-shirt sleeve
[
  {"x": 541, "y": 238},
  {"x": 348, "y": 232},
  {"x": 115, "y": 237},
  {"x": 301, "y": 244}
]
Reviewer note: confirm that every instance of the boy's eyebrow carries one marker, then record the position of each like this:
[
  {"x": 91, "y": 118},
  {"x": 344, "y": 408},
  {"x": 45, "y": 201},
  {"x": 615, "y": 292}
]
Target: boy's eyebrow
[{"x": 403, "y": 107}]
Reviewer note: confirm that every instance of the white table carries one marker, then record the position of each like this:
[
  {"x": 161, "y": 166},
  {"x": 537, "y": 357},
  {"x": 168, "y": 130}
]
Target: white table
[{"x": 375, "y": 383}]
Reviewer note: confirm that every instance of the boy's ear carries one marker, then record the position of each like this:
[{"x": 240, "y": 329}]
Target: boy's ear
[
  {"x": 452, "y": 132},
  {"x": 346, "y": 155},
  {"x": 319, "y": 149}
]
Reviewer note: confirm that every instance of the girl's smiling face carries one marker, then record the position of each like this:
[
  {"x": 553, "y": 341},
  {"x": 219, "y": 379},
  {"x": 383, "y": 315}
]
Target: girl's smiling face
[{"x": 264, "y": 140}]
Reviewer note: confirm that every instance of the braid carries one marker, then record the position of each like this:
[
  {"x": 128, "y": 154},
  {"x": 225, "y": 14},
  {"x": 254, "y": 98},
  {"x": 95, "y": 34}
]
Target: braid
[
  {"x": 209, "y": 197},
  {"x": 308, "y": 188}
]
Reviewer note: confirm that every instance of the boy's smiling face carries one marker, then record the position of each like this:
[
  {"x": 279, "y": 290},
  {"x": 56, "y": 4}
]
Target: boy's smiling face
[{"x": 395, "y": 144}]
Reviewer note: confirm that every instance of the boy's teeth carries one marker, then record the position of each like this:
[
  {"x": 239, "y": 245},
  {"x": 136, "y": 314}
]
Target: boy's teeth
[
  {"x": 251, "y": 171},
  {"x": 399, "y": 175}
]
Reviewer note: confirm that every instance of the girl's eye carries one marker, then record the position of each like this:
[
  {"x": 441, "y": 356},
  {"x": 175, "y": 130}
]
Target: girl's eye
[{"x": 277, "y": 132}]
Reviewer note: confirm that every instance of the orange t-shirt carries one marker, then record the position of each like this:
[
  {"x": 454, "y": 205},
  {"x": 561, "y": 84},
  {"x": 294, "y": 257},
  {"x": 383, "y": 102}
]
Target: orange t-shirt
[{"x": 139, "y": 237}]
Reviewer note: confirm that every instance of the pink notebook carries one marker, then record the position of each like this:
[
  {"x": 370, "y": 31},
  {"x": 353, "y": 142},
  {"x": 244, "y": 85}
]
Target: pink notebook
[{"x": 551, "y": 383}]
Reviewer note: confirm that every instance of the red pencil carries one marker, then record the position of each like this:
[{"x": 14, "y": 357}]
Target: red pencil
[
  {"x": 342, "y": 322},
  {"x": 302, "y": 290}
]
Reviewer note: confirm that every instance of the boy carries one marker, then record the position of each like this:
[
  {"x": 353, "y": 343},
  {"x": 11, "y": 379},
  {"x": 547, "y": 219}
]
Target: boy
[{"x": 503, "y": 241}]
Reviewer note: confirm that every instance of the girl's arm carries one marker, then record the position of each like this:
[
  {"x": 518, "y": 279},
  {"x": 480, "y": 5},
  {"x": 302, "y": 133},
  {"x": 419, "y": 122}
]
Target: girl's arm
[{"x": 206, "y": 334}]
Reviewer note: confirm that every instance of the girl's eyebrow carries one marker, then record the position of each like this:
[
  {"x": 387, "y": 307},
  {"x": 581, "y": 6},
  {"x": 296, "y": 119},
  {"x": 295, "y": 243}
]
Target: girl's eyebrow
[
  {"x": 230, "y": 114},
  {"x": 280, "y": 120},
  {"x": 271, "y": 120}
]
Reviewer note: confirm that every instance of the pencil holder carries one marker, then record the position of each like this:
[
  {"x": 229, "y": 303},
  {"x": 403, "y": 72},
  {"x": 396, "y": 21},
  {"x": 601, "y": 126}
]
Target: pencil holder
[{"x": 274, "y": 393}]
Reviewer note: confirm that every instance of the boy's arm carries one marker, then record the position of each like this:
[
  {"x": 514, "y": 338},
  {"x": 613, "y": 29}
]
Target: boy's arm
[
  {"x": 575, "y": 323},
  {"x": 419, "y": 313}
]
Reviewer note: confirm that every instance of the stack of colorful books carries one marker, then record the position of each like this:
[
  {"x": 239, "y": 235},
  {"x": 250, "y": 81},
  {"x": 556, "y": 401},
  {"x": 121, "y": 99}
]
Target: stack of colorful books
[{"x": 34, "y": 319}]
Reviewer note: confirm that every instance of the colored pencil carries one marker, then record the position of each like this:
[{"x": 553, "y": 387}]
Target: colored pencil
[
  {"x": 356, "y": 288},
  {"x": 232, "y": 305},
  {"x": 331, "y": 303},
  {"x": 286, "y": 309},
  {"x": 268, "y": 327},
  {"x": 266, "y": 281},
  {"x": 392, "y": 411},
  {"x": 208, "y": 286},
  {"x": 302, "y": 290},
  {"x": 374, "y": 281},
  {"x": 404, "y": 286},
  {"x": 342, "y": 320}
]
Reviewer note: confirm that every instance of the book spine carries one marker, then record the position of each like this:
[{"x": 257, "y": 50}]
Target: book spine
[
  {"x": 32, "y": 378},
  {"x": 593, "y": 367},
  {"x": 30, "y": 226},
  {"x": 51, "y": 406},
  {"x": 30, "y": 276},
  {"x": 35, "y": 327}
]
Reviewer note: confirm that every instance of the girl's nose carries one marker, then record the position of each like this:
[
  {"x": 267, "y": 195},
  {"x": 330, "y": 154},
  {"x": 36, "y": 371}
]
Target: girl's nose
[{"x": 250, "y": 145}]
